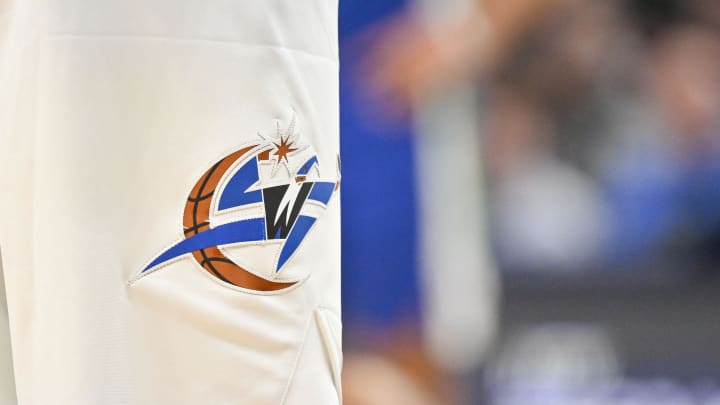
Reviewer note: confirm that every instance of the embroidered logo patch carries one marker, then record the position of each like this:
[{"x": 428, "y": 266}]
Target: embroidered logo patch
[{"x": 249, "y": 213}]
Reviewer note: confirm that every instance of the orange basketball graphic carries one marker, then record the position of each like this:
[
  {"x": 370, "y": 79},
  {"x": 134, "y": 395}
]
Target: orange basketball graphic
[
  {"x": 197, "y": 219},
  {"x": 278, "y": 181}
]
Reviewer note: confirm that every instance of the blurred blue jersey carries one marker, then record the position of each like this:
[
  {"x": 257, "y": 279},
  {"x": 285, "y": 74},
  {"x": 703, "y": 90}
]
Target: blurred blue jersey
[{"x": 378, "y": 196}]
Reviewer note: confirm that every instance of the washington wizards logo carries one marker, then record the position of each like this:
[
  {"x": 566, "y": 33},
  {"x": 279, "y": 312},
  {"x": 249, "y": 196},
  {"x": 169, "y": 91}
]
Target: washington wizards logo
[{"x": 249, "y": 213}]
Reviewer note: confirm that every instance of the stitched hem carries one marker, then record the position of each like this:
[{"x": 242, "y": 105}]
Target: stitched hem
[{"x": 191, "y": 39}]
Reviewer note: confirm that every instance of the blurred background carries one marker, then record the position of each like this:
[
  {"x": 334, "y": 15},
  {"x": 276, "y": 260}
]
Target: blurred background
[{"x": 531, "y": 201}]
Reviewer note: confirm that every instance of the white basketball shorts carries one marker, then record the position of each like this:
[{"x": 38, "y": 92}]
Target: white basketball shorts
[{"x": 169, "y": 219}]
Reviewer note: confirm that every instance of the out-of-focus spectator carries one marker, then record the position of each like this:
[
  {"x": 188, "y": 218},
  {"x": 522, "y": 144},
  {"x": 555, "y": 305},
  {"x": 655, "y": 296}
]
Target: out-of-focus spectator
[
  {"x": 664, "y": 186},
  {"x": 600, "y": 129},
  {"x": 413, "y": 63},
  {"x": 528, "y": 185},
  {"x": 617, "y": 166}
]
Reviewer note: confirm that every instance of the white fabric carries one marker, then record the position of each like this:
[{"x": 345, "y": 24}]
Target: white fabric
[
  {"x": 7, "y": 381},
  {"x": 110, "y": 111}
]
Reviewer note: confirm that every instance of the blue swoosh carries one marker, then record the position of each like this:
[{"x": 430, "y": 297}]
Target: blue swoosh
[{"x": 242, "y": 231}]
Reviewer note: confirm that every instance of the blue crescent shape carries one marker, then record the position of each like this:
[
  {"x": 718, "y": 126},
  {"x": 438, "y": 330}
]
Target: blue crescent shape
[{"x": 236, "y": 194}]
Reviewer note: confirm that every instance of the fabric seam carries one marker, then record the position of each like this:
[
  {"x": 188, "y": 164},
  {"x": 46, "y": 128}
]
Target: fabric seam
[
  {"x": 60, "y": 35},
  {"x": 296, "y": 363}
]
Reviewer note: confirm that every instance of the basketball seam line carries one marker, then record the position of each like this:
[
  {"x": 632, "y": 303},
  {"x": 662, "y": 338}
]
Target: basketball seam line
[
  {"x": 201, "y": 198},
  {"x": 207, "y": 262}
]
